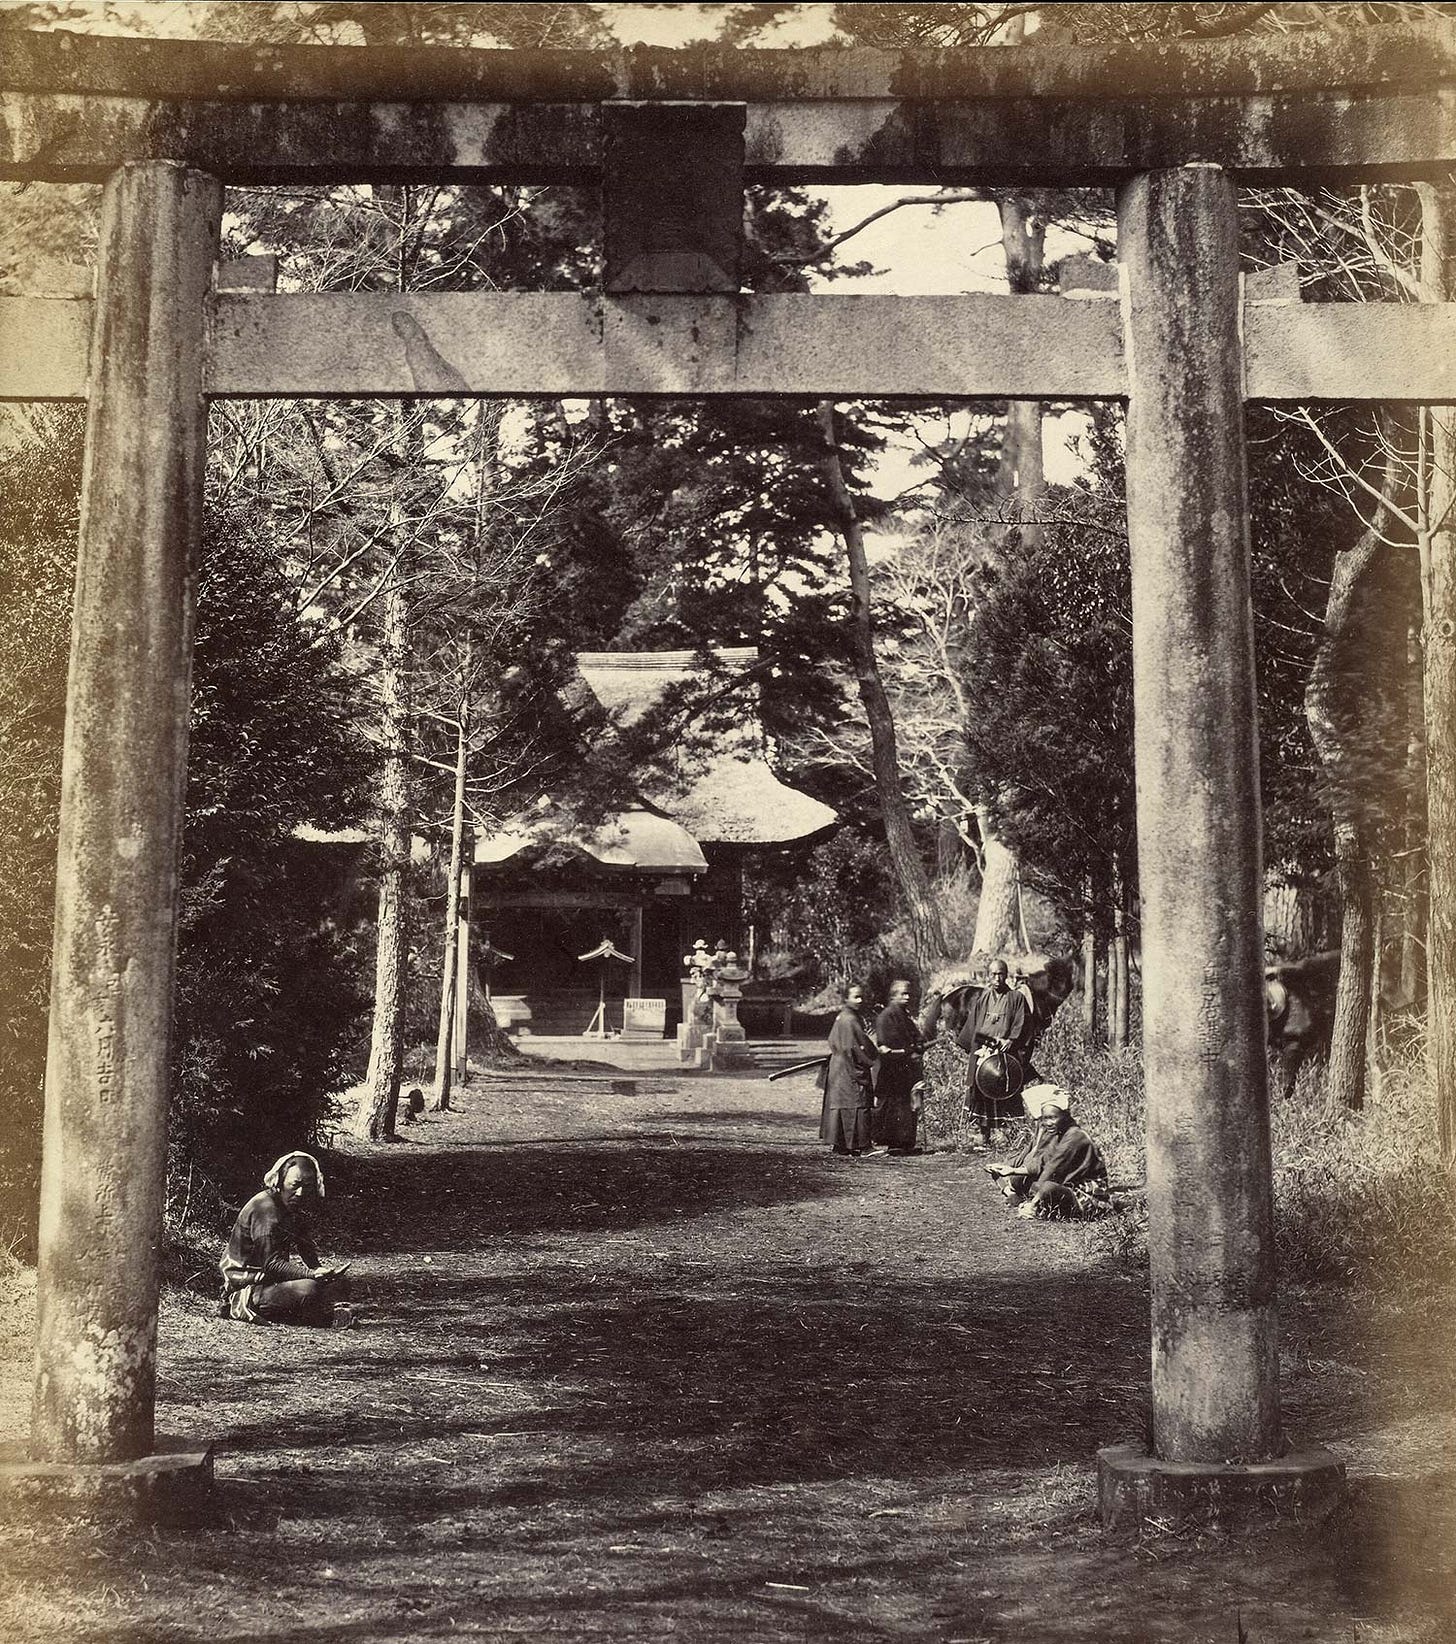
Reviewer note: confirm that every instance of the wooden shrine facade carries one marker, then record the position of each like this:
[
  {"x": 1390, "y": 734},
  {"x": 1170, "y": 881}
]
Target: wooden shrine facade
[
  {"x": 656, "y": 876},
  {"x": 673, "y": 139}
]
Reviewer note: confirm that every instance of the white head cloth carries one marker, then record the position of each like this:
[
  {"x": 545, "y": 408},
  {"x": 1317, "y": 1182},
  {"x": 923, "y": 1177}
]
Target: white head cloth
[
  {"x": 1036, "y": 1097},
  {"x": 273, "y": 1181}
]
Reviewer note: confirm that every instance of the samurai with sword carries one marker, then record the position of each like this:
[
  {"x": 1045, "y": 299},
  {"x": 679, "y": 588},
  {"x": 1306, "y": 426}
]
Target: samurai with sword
[
  {"x": 848, "y": 1080},
  {"x": 897, "y": 1074}
]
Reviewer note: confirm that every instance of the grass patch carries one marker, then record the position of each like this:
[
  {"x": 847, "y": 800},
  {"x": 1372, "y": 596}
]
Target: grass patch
[{"x": 1359, "y": 1198}]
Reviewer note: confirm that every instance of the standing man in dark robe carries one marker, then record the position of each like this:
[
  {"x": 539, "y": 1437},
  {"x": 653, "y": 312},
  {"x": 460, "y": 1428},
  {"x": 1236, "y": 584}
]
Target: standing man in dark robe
[
  {"x": 897, "y": 1072},
  {"x": 849, "y": 1080},
  {"x": 1000, "y": 1019}
]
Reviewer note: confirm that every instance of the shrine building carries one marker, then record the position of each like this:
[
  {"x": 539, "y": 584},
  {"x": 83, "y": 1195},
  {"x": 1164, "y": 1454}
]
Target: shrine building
[{"x": 651, "y": 879}]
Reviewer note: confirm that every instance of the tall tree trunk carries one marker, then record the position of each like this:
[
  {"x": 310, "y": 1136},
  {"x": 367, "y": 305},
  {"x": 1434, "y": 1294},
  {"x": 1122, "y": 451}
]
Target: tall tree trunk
[
  {"x": 448, "y": 979},
  {"x": 1089, "y": 959},
  {"x": 1109, "y": 1021},
  {"x": 378, "y": 1108},
  {"x": 998, "y": 928},
  {"x": 1019, "y": 480},
  {"x": 914, "y": 882},
  {"x": 1346, "y": 1075},
  {"x": 1438, "y": 566},
  {"x": 1413, "y": 918},
  {"x": 1373, "y": 982},
  {"x": 1118, "y": 1023},
  {"x": 376, "y": 1119}
]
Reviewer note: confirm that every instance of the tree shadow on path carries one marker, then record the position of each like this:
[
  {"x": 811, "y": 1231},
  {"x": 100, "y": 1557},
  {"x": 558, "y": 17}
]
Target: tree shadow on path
[
  {"x": 804, "y": 1374},
  {"x": 458, "y": 1199}
]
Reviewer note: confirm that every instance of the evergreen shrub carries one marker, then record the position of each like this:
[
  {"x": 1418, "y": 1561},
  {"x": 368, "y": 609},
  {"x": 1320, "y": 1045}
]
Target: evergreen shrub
[{"x": 1359, "y": 1198}]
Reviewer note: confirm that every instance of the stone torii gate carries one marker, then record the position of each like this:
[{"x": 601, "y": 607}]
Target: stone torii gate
[{"x": 673, "y": 138}]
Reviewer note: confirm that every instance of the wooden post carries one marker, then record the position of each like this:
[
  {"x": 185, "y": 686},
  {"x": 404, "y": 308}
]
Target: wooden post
[
  {"x": 122, "y": 786},
  {"x": 1215, "y": 1368},
  {"x": 634, "y": 947},
  {"x": 460, "y": 1038}
]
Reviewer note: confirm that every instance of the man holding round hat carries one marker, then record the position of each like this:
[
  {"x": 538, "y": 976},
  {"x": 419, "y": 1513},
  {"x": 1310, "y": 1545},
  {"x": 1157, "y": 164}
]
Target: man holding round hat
[{"x": 996, "y": 1029}]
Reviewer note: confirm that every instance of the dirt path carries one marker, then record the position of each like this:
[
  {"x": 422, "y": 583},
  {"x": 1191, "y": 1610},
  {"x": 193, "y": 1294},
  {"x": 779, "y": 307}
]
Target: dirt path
[{"x": 638, "y": 1368}]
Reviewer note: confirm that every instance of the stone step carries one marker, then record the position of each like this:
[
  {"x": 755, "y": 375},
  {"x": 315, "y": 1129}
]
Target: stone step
[
  {"x": 619, "y": 1084},
  {"x": 769, "y": 1055}
]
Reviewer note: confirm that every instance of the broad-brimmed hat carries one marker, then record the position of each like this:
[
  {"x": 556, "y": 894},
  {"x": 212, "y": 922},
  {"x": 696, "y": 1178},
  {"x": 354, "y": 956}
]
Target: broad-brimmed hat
[{"x": 998, "y": 1076}]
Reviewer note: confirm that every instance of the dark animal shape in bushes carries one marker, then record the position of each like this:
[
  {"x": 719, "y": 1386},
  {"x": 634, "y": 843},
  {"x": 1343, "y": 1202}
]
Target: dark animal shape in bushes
[
  {"x": 1299, "y": 999},
  {"x": 1047, "y": 983}
]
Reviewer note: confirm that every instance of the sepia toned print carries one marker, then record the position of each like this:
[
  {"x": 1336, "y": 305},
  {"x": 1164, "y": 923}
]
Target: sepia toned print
[{"x": 568, "y": 566}]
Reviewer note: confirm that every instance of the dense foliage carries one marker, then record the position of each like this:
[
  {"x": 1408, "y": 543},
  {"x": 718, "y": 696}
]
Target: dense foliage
[
  {"x": 265, "y": 1006},
  {"x": 39, "y": 484},
  {"x": 517, "y": 538}
]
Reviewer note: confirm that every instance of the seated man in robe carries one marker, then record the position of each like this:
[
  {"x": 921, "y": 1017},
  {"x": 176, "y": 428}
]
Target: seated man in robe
[
  {"x": 271, "y": 1269},
  {"x": 1063, "y": 1176}
]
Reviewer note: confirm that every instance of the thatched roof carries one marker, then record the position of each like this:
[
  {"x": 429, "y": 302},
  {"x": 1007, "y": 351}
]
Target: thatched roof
[
  {"x": 731, "y": 798},
  {"x": 634, "y": 839},
  {"x": 734, "y": 798},
  {"x": 741, "y": 802}
]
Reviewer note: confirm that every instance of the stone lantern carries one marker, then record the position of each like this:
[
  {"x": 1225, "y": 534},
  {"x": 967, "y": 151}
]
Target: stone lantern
[{"x": 731, "y": 1049}]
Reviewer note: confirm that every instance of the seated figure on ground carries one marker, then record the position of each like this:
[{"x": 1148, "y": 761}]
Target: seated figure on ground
[
  {"x": 1063, "y": 1176},
  {"x": 271, "y": 1269}
]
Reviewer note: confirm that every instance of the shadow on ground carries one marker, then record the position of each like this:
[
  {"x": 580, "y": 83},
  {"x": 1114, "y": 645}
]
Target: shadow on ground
[
  {"x": 403, "y": 1201},
  {"x": 605, "y": 1390}
]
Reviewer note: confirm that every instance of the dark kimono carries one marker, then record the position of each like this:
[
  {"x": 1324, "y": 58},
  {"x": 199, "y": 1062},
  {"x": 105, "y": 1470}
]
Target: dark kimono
[
  {"x": 993, "y": 1016},
  {"x": 848, "y": 1085},
  {"x": 896, "y": 1072},
  {"x": 269, "y": 1243},
  {"x": 1069, "y": 1159}
]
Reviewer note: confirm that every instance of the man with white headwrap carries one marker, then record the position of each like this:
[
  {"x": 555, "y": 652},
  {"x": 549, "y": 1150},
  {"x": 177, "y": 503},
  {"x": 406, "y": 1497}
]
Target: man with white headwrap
[
  {"x": 271, "y": 1269},
  {"x": 1063, "y": 1176}
]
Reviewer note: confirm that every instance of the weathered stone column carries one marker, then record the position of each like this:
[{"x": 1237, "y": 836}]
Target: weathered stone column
[
  {"x": 1215, "y": 1367},
  {"x": 121, "y": 813}
]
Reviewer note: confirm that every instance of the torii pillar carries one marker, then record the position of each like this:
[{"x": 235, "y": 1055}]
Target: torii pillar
[
  {"x": 122, "y": 785},
  {"x": 1217, "y": 1439}
]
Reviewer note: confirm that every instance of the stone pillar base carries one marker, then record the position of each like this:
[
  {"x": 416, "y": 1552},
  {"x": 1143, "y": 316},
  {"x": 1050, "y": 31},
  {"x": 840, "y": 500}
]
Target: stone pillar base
[
  {"x": 173, "y": 1485},
  {"x": 1303, "y": 1487},
  {"x": 732, "y": 1054}
]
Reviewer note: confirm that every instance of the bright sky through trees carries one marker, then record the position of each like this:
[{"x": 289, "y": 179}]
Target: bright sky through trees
[{"x": 915, "y": 251}]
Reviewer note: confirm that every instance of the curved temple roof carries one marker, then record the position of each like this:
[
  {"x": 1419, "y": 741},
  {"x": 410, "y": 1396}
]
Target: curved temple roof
[
  {"x": 634, "y": 839},
  {"x": 734, "y": 799}
]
